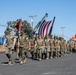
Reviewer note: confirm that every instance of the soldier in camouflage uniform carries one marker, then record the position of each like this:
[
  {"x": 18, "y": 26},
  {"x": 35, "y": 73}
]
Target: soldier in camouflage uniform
[
  {"x": 23, "y": 48},
  {"x": 9, "y": 43},
  {"x": 47, "y": 46},
  {"x": 51, "y": 47},
  {"x": 68, "y": 47},
  {"x": 75, "y": 46},
  {"x": 33, "y": 47},
  {"x": 62, "y": 49},
  {"x": 40, "y": 47},
  {"x": 71, "y": 42},
  {"x": 65, "y": 47},
  {"x": 57, "y": 47}
]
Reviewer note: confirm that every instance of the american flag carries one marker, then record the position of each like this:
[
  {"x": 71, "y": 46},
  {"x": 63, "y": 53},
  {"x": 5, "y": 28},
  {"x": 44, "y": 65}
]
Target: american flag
[{"x": 43, "y": 29}]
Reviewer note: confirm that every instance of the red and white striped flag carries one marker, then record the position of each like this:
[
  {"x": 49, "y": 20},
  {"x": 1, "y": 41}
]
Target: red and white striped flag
[{"x": 43, "y": 30}]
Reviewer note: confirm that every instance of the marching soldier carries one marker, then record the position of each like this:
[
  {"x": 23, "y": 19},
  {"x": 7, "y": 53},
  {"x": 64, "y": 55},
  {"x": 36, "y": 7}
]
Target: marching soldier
[
  {"x": 68, "y": 47},
  {"x": 57, "y": 47},
  {"x": 23, "y": 48},
  {"x": 62, "y": 51},
  {"x": 40, "y": 47},
  {"x": 33, "y": 47},
  {"x": 47, "y": 46},
  {"x": 75, "y": 46},
  {"x": 65, "y": 46},
  {"x": 27, "y": 48},
  {"x": 71, "y": 42},
  {"x": 51, "y": 47},
  {"x": 9, "y": 43}
]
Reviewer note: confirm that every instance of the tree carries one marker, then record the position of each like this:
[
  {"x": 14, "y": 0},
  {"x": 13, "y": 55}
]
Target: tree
[{"x": 25, "y": 27}]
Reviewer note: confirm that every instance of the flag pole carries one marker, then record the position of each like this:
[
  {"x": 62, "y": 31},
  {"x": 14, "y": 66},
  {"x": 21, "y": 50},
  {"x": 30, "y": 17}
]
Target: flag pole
[
  {"x": 50, "y": 32},
  {"x": 18, "y": 26},
  {"x": 37, "y": 26}
]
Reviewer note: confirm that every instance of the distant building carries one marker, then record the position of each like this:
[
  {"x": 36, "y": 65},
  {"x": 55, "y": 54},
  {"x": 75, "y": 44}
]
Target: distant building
[{"x": 1, "y": 39}]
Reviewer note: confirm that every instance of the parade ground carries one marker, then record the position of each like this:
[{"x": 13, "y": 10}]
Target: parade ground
[{"x": 65, "y": 65}]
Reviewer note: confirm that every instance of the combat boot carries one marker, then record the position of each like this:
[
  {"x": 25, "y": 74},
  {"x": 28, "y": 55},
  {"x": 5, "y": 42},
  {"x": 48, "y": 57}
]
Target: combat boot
[
  {"x": 25, "y": 60},
  {"x": 39, "y": 59},
  {"x": 47, "y": 58},
  {"x": 51, "y": 57},
  {"x": 21, "y": 62},
  {"x": 10, "y": 62}
]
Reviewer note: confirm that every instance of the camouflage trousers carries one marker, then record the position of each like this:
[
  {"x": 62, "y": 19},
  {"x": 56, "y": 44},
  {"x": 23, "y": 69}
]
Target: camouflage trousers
[
  {"x": 68, "y": 50},
  {"x": 9, "y": 53},
  {"x": 47, "y": 49},
  {"x": 39, "y": 52},
  {"x": 23, "y": 53},
  {"x": 62, "y": 51},
  {"x": 51, "y": 52},
  {"x": 33, "y": 52},
  {"x": 57, "y": 51},
  {"x": 71, "y": 49}
]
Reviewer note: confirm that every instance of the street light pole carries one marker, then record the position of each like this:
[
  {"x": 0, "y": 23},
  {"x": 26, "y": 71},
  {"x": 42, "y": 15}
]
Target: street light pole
[
  {"x": 62, "y": 31},
  {"x": 32, "y": 19}
]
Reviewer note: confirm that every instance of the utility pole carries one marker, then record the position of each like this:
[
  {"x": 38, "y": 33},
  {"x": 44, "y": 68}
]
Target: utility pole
[
  {"x": 32, "y": 19},
  {"x": 62, "y": 31}
]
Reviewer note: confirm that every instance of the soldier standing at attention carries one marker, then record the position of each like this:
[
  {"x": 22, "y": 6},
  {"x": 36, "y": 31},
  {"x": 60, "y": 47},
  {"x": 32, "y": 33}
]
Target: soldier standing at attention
[{"x": 9, "y": 43}]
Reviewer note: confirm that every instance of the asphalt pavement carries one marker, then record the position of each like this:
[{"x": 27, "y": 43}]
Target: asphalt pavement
[{"x": 65, "y": 65}]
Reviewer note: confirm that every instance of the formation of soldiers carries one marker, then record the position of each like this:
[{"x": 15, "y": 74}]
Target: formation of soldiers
[{"x": 40, "y": 47}]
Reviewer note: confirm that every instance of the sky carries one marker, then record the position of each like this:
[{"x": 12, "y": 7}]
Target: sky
[{"x": 63, "y": 10}]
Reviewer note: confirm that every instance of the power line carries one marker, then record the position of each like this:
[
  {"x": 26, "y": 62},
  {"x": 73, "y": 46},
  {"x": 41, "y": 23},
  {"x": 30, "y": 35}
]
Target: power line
[
  {"x": 3, "y": 25},
  {"x": 67, "y": 37}
]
